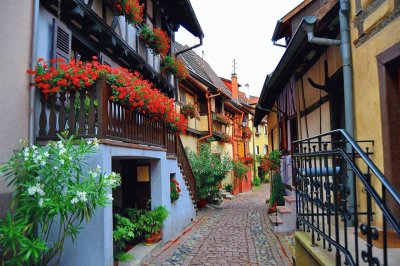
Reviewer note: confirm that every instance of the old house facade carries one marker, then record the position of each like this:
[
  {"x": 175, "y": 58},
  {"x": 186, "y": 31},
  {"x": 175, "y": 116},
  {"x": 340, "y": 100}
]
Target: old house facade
[{"x": 145, "y": 152}]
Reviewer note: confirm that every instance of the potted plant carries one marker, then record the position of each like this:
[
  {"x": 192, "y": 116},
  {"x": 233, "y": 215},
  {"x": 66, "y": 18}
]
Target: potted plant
[
  {"x": 226, "y": 138},
  {"x": 221, "y": 119},
  {"x": 175, "y": 190},
  {"x": 156, "y": 39},
  {"x": 151, "y": 222},
  {"x": 246, "y": 133},
  {"x": 189, "y": 110},
  {"x": 248, "y": 160},
  {"x": 131, "y": 9}
]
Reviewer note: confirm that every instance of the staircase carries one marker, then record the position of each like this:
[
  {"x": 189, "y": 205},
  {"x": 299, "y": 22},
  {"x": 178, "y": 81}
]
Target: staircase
[
  {"x": 226, "y": 195},
  {"x": 184, "y": 165},
  {"x": 284, "y": 219}
]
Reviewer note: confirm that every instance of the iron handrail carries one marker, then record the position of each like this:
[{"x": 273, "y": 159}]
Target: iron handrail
[{"x": 363, "y": 155}]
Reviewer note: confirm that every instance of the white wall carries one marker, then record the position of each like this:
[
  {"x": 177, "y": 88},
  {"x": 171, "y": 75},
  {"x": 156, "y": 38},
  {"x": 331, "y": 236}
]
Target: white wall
[{"x": 94, "y": 245}]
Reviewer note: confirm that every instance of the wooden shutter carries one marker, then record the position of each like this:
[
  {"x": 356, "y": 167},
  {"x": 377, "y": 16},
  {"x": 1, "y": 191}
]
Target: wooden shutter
[{"x": 62, "y": 38}]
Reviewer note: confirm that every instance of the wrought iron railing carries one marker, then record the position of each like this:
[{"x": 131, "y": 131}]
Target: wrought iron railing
[{"x": 344, "y": 200}]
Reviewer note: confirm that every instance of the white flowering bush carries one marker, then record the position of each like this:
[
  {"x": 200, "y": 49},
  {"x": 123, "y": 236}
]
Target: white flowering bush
[{"x": 54, "y": 191}]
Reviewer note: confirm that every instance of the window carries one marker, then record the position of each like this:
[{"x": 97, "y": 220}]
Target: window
[
  {"x": 265, "y": 130},
  {"x": 258, "y": 130},
  {"x": 257, "y": 150},
  {"x": 182, "y": 96},
  {"x": 265, "y": 149}
]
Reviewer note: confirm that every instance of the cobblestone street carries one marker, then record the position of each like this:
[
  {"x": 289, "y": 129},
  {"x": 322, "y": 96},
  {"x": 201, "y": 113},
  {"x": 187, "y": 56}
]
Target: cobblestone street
[{"x": 238, "y": 232}]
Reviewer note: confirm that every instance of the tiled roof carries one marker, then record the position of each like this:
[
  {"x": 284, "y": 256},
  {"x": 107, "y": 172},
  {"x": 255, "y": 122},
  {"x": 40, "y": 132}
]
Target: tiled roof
[{"x": 201, "y": 68}]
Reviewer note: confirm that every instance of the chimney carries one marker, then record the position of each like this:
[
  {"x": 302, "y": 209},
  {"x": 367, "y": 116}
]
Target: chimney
[{"x": 235, "y": 87}]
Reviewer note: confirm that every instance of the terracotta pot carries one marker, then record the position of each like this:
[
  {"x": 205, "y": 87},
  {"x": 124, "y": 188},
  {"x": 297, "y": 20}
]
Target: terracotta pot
[
  {"x": 149, "y": 240},
  {"x": 115, "y": 263},
  {"x": 157, "y": 236},
  {"x": 201, "y": 203},
  {"x": 128, "y": 247}
]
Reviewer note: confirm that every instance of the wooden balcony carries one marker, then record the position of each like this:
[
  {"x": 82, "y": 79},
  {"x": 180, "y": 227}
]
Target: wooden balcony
[{"x": 91, "y": 113}]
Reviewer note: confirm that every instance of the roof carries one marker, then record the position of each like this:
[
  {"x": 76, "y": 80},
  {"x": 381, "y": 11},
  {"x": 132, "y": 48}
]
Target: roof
[
  {"x": 283, "y": 23},
  {"x": 294, "y": 53},
  {"x": 201, "y": 69},
  {"x": 185, "y": 17}
]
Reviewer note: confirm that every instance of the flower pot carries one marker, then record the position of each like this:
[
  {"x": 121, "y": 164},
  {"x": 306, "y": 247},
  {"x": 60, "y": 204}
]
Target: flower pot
[
  {"x": 115, "y": 263},
  {"x": 201, "y": 203},
  {"x": 157, "y": 236},
  {"x": 148, "y": 241}
]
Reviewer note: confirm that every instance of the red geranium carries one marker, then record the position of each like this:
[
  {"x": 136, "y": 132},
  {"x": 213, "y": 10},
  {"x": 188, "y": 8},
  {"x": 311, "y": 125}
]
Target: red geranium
[
  {"x": 156, "y": 39},
  {"x": 129, "y": 88},
  {"x": 131, "y": 9}
]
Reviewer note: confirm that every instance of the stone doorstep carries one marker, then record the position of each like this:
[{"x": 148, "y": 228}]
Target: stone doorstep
[
  {"x": 283, "y": 209},
  {"x": 140, "y": 253},
  {"x": 275, "y": 219},
  {"x": 290, "y": 199},
  {"x": 229, "y": 197}
]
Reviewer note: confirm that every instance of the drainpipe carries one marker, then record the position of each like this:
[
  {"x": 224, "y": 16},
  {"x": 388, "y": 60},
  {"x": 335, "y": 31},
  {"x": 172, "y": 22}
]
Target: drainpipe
[
  {"x": 190, "y": 48},
  {"x": 347, "y": 74},
  {"x": 346, "y": 57},
  {"x": 32, "y": 88},
  {"x": 208, "y": 97}
]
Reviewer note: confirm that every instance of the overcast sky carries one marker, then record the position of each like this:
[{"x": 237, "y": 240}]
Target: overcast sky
[{"x": 241, "y": 30}]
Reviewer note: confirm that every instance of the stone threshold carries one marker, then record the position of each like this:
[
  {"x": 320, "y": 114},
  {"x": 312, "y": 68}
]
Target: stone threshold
[{"x": 140, "y": 252}]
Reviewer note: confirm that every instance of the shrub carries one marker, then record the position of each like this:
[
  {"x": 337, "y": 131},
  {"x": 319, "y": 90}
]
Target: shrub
[
  {"x": 52, "y": 189},
  {"x": 209, "y": 168},
  {"x": 278, "y": 191},
  {"x": 228, "y": 187},
  {"x": 256, "y": 181},
  {"x": 239, "y": 169}
]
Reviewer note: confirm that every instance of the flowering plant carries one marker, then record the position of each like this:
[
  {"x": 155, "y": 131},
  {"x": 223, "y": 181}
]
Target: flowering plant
[
  {"x": 246, "y": 133},
  {"x": 247, "y": 160},
  {"x": 221, "y": 119},
  {"x": 271, "y": 163},
  {"x": 52, "y": 189},
  {"x": 239, "y": 169},
  {"x": 189, "y": 110},
  {"x": 131, "y": 9},
  {"x": 175, "y": 67},
  {"x": 156, "y": 39},
  {"x": 226, "y": 138},
  {"x": 130, "y": 89},
  {"x": 175, "y": 190}
]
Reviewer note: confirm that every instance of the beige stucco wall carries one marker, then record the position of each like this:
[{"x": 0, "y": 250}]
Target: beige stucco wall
[
  {"x": 366, "y": 86},
  {"x": 15, "y": 43},
  {"x": 189, "y": 141},
  {"x": 367, "y": 109}
]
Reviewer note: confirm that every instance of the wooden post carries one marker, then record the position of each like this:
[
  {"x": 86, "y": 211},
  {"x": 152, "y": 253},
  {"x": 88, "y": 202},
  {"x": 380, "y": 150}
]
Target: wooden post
[{"x": 102, "y": 95}]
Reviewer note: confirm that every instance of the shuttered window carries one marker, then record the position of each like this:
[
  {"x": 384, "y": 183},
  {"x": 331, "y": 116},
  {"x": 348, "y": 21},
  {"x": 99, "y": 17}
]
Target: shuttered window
[{"x": 62, "y": 38}]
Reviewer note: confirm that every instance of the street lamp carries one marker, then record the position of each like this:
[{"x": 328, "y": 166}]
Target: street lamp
[{"x": 244, "y": 121}]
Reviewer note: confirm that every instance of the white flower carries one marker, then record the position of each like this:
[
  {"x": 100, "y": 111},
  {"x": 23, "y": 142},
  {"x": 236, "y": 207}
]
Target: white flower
[
  {"x": 70, "y": 158},
  {"x": 62, "y": 161},
  {"x": 74, "y": 200},
  {"x": 31, "y": 190},
  {"x": 40, "y": 191},
  {"x": 43, "y": 163},
  {"x": 55, "y": 167},
  {"x": 62, "y": 150},
  {"x": 38, "y": 178},
  {"x": 40, "y": 202},
  {"x": 81, "y": 196},
  {"x": 46, "y": 154},
  {"x": 98, "y": 168}
]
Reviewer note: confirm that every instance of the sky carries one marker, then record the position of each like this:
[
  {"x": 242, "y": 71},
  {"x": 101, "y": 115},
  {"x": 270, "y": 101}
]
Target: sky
[{"x": 240, "y": 30}]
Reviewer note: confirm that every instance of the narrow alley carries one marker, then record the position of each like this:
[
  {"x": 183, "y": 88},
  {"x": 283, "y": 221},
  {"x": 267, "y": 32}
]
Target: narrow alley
[{"x": 238, "y": 232}]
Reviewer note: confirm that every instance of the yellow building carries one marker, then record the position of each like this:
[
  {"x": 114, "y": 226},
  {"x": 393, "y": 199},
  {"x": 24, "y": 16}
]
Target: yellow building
[{"x": 332, "y": 104}]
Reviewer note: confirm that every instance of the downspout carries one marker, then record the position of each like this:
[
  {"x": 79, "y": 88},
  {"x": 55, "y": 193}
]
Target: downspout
[
  {"x": 208, "y": 97},
  {"x": 346, "y": 57},
  {"x": 190, "y": 48},
  {"x": 32, "y": 88},
  {"x": 347, "y": 74}
]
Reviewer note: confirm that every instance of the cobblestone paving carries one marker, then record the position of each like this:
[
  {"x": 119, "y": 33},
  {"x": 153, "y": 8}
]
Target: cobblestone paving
[{"x": 237, "y": 232}]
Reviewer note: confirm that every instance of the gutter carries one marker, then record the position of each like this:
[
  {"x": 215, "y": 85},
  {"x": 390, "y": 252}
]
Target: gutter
[
  {"x": 32, "y": 88},
  {"x": 191, "y": 48}
]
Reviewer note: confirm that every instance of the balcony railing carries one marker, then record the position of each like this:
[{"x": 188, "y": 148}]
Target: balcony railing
[
  {"x": 343, "y": 200},
  {"x": 91, "y": 113}
]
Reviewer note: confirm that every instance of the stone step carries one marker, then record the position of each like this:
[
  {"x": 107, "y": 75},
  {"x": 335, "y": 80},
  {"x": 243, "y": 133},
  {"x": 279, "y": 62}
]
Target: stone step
[
  {"x": 290, "y": 198},
  {"x": 283, "y": 209},
  {"x": 229, "y": 197},
  {"x": 274, "y": 219}
]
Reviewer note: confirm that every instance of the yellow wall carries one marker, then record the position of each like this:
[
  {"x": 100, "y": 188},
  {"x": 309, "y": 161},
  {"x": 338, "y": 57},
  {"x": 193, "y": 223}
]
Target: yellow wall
[{"x": 367, "y": 110}]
